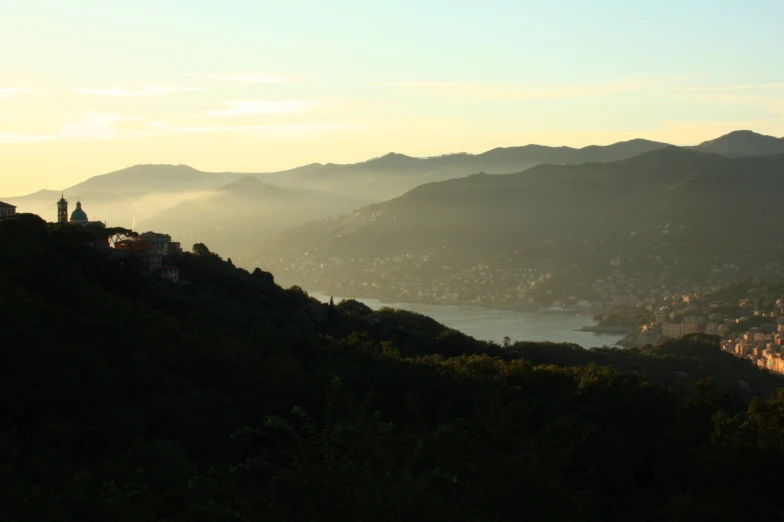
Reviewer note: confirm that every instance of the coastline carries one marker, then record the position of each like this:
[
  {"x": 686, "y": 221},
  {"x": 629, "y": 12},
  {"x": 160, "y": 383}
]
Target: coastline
[
  {"x": 621, "y": 330},
  {"x": 493, "y": 322},
  {"x": 514, "y": 307}
]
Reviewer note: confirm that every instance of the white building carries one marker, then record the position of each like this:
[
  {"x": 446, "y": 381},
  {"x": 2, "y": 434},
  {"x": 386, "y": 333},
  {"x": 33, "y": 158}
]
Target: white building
[{"x": 6, "y": 210}]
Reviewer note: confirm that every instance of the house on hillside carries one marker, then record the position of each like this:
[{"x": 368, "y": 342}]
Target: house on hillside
[
  {"x": 6, "y": 210},
  {"x": 172, "y": 273},
  {"x": 161, "y": 243}
]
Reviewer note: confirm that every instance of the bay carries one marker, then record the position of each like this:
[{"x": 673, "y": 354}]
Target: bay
[{"x": 491, "y": 324}]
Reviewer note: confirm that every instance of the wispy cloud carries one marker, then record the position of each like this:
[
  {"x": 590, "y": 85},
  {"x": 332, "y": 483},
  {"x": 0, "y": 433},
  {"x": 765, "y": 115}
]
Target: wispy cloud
[
  {"x": 12, "y": 137},
  {"x": 10, "y": 93},
  {"x": 86, "y": 127},
  {"x": 97, "y": 127},
  {"x": 250, "y": 78},
  {"x": 264, "y": 108},
  {"x": 734, "y": 87},
  {"x": 133, "y": 90},
  {"x": 759, "y": 96},
  {"x": 289, "y": 131},
  {"x": 489, "y": 91}
]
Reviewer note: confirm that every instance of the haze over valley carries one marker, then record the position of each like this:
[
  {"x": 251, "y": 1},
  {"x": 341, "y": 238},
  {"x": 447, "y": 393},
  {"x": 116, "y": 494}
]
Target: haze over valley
[{"x": 239, "y": 213}]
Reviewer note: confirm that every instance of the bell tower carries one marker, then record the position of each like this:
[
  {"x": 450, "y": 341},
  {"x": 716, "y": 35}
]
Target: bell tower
[{"x": 62, "y": 210}]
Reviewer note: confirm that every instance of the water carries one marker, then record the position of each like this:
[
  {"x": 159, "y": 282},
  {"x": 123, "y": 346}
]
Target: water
[{"x": 492, "y": 324}]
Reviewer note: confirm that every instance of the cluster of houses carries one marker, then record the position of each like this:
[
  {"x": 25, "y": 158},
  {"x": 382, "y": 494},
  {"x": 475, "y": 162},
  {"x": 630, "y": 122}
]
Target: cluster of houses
[
  {"x": 507, "y": 281},
  {"x": 747, "y": 329},
  {"x": 762, "y": 344},
  {"x": 150, "y": 250}
]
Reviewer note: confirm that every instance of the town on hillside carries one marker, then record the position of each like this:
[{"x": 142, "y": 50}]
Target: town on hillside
[
  {"x": 151, "y": 251},
  {"x": 747, "y": 316}
]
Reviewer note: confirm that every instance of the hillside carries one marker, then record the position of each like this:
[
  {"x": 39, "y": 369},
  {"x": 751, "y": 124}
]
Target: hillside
[
  {"x": 393, "y": 174},
  {"x": 129, "y": 195},
  {"x": 144, "y": 179},
  {"x": 241, "y": 215},
  {"x": 743, "y": 143},
  {"x": 137, "y": 195},
  {"x": 224, "y": 398},
  {"x": 672, "y": 215}
]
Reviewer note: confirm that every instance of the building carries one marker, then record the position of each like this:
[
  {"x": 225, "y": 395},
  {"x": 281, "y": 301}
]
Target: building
[
  {"x": 161, "y": 243},
  {"x": 671, "y": 330},
  {"x": 78, "y": 216},
  {"x": 6, "y": 210},
  {"x": 153, "y": 260},
  {"x": 62, "y": 210},
  {"x": 172, "y": 273},
  {"x": 690, "y": 327}
]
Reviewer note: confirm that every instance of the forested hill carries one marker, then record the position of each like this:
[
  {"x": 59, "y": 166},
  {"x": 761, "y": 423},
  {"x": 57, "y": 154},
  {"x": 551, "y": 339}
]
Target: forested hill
[
  {"x": 675, "y": 208},
  {"x": 227, "y": 397}
]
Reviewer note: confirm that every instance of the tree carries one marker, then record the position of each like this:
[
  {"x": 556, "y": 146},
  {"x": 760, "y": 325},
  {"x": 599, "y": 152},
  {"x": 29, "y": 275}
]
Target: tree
[
  {"x": 117, "y": 234},
  {"x": 354, "y": 307},
  {"x": 264, "y": 276},
  {"x": 201, "y": 250}
]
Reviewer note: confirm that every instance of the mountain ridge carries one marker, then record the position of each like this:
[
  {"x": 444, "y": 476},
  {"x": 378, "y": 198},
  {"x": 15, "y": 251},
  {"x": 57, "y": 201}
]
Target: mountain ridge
[
  {"x": 637, "y": 145},
  {"x": 139, "y": 193},
  {"x": 555, "y": 216}
]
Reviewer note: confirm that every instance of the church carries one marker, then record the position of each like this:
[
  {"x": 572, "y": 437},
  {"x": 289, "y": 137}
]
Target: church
[{"x": 78, "y": 216}]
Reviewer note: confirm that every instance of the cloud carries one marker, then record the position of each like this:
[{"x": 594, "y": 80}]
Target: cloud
[
  {"x": 488, "y": 91},
  {"x": 264, "y": 108},
  {"x": 11, "y": 137},
  {"x": 98, "y": 127},
  {"x": 758, "y": 96},
  {"x": 10, "y": 93},
  {"x": 738, "y": 87},
  {"x": 287, "y": 131},
  {"x": 87, "y": 127},
  {"x": 132, "y": 90},
  {"x": 249, "y": 78}
]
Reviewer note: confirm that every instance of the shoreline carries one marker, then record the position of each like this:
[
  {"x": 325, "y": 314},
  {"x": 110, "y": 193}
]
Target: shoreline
[
  {"x": 605, "y": 329},
  {"x": 495, "y": 306},
  {"x": 615, "y": 332}
]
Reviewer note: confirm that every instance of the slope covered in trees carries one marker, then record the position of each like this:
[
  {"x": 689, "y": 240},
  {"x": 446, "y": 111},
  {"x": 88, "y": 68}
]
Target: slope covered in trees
[
  {"x": 670, "y": 213},
  {"x": 229, "y": 398}
]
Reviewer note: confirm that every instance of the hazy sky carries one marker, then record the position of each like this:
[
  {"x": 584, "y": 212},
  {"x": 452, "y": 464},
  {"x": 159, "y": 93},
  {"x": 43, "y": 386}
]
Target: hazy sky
[{"x": 88, "y": 87}]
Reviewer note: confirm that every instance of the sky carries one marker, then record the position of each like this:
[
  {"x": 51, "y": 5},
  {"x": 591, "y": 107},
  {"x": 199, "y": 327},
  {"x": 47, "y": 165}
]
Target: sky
[{"x": 88, "y": 87}]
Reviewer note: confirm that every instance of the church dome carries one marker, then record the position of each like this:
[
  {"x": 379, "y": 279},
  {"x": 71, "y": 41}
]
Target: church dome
[{"x": 78, "y": 215}]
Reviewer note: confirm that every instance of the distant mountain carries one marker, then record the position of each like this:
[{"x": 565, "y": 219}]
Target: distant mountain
[
  {"x": 36, "y": 198},
  {"x": 671, "y": 214},
  {"x": 128, "y": 195},
  {"x": 393, "y": 174},
  {"x": 245, "y": 212},
  {"x": 145, "y": 179},
  {"x": 743, "y": 143},
  {"x": 136, "y": 194}
]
